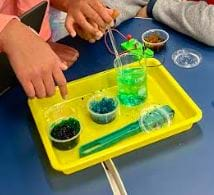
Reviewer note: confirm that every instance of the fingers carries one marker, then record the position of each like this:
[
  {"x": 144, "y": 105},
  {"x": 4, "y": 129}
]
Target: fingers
[
  {"x": 29, "y": 89},
  {"x": 85, "y": 25},
  {"x": 39, "y": 87},
  {"x": 81, "y": 33},
  {"x": 63, "y": 65},
  {"x": 91, "y": 11},
  {"x": 49, "y": 85},
  {"x": 44, "y": 85},
  {"x": 60, "y": 81},
  {"x": 34, "y": 88},
  {"x": 32, "y": 85},
  {"x": 85, "y": 12},
  {"x": 87, "y": 36},
  {"x": 81, "y": 21},
  {"x": 91, "y": 14},
  {"x": 102, "y": 11},
  {"x": 98, "y": 35},
  {"x": 69, "y": 24},
  {"x": 59, "y": 78}
]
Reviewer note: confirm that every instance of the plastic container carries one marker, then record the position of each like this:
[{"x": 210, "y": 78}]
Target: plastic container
[
  {"x": 102, "y": 108},
  {"x": 63, "y": 116},
  {"x": 155, "y": 39},
  {"x": 186, "y": 58},
  {"x": 131, "y": 79},
  {"x": 65, "y": 133},
  {"x": 156, "y": 117}
]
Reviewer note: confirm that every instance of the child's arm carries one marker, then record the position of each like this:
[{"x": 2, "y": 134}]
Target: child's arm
[
  {"x": 35, "y": 64},
  {"x": 195, "y": 19}
]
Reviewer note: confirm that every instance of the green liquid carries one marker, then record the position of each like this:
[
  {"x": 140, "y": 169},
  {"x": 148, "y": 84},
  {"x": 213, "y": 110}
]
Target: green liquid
[{"x": 132, "y": 86}]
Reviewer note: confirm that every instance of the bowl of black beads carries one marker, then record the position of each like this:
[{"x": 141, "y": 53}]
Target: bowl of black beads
[
  {"x": 103, "y": 109},
  {"x": 65, "y": 133}
]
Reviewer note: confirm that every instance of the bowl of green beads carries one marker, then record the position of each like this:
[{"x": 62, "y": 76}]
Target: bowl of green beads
[
  {"x": 103, "y": 108},
  {"x": 65, "y": 133}
]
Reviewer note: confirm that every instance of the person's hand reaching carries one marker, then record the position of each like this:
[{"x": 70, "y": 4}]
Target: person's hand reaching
[
  {"x": 85, "y": 13},
  {"x": 35, "y": 64},
  {"x": 91, "y": 37}
]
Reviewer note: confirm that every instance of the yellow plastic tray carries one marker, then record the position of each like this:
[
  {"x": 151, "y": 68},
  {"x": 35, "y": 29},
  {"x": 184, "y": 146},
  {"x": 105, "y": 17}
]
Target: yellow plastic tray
[{"x": 163, "y": 89}]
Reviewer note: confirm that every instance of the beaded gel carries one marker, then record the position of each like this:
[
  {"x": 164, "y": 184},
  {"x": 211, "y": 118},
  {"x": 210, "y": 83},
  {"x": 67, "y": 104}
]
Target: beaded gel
[{"x": 153, "y": 118}]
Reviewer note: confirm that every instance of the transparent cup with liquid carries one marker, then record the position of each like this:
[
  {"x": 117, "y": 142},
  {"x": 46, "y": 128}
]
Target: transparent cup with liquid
[{"x": 131, "y": 79}]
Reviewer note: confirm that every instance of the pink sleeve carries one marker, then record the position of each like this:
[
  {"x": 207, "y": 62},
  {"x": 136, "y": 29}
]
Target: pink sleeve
[{"x": 4, "y": 19}]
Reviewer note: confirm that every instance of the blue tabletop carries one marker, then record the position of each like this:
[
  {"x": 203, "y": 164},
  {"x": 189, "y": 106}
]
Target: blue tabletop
[
  {"x": 182, "y": 164},
  {"x": 179, "y": 165},
  {"x": 24, "y": 167}
]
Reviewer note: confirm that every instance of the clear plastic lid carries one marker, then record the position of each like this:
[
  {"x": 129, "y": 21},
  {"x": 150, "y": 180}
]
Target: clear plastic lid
[
  {"x": 186, "y": 58},
  {"x": 156, "y": 117}
]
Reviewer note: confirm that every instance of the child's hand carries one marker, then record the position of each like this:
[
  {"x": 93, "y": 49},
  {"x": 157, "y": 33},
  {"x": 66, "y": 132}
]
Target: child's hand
[
  {"x": 90, "y": 37},
  {"x": 82, "y": 11},
  {"x": 87, "y": 36},
  {"x": 35, "y": 64}
]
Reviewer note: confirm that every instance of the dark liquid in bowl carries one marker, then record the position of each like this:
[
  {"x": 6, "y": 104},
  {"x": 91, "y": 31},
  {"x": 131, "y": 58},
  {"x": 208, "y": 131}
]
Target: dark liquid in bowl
[{"x": 154, "y": 38}]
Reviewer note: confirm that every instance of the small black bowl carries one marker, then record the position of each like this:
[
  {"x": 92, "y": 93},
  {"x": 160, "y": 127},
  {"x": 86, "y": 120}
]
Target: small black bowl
[{"x": 65, "y": 134}]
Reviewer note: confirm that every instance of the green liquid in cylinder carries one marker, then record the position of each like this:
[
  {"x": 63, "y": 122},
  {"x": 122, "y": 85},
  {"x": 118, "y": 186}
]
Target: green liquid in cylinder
[{"x": 132, "y": 86}]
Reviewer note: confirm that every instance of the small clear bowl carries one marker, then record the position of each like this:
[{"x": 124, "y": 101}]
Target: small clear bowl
[
  {"x": 69, "y": 143},
  {"x": 156, "y": 46},
  {"x": 186, "y": 58},
  {"x": 102, "y": 118}
]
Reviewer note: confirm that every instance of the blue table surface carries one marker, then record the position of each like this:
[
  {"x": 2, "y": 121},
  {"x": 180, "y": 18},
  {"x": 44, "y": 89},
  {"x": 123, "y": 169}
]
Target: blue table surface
[{"x": 182, "y": 164}]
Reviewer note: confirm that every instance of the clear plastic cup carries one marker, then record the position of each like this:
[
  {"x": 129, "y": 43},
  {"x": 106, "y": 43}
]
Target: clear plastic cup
[
  {"x": 60, "y": 111},
  {"x": 65, "y": 134},
  {"x": 103, "y": 108},
  {"x": 131, "y": 79},
  {"x": 155, "y": 39},
  {"x": 156, "y": 117},
  {"x": 64, "y": 127}
]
